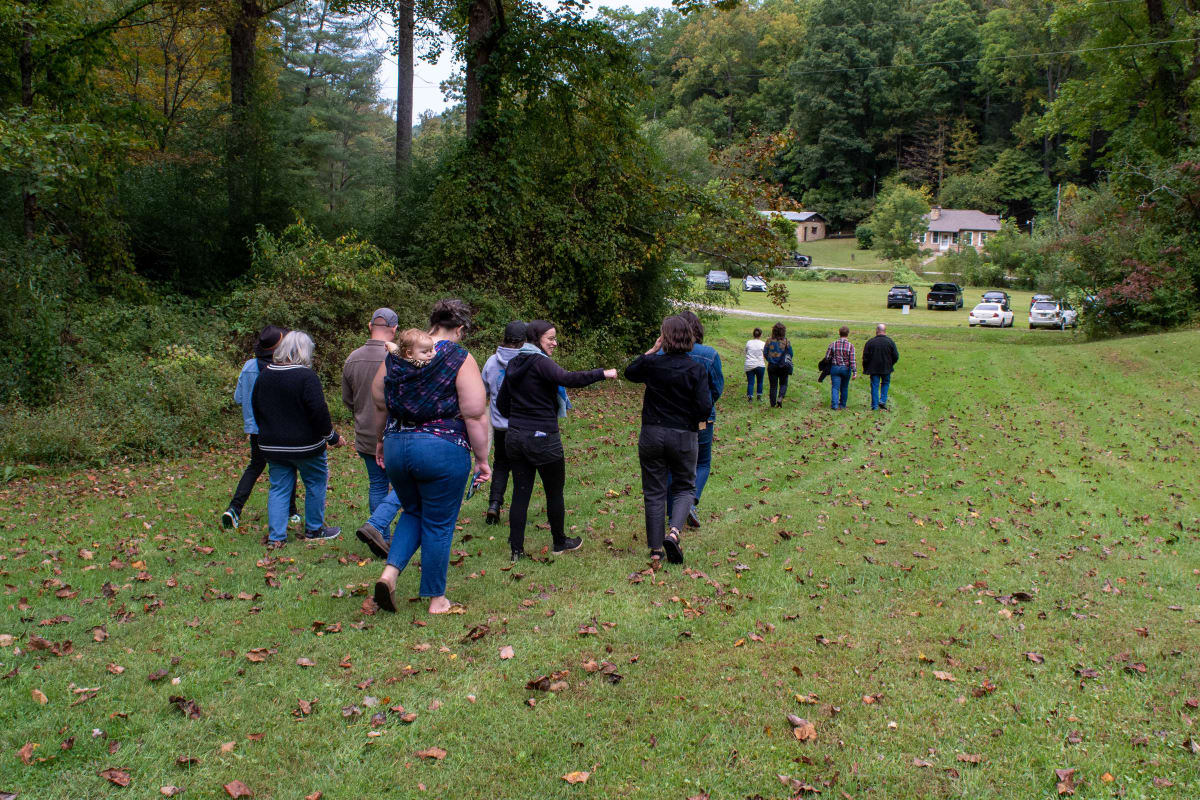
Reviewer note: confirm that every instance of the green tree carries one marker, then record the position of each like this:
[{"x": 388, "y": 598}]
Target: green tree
[
  {"x": 977, "y": 190},
  {"x": 899, "y": 215}
]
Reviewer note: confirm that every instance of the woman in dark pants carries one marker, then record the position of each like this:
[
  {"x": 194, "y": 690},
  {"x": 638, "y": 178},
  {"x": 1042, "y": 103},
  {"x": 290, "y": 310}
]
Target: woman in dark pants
[
  {"x": 677, "y": 401},
  {"x": 531, "y": 400},
  {"x": 778, "y": 352}
]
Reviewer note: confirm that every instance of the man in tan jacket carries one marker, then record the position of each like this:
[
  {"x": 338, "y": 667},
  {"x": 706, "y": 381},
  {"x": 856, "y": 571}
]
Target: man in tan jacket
[{"x": 357, "y": 376}]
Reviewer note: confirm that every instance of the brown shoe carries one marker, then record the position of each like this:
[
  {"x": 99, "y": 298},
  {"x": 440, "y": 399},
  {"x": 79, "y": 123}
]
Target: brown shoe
[
  {"x": 671, "y": 545},
  {"x": 373, "y": 539},
  {"x": 385, "y": 597}
]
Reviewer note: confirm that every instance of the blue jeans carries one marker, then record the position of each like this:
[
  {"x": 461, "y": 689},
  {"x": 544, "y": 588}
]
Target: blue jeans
[
  {"x": 315, "y": 474},
  {"x": 839, "y": 386},
  {"x": 429, "y": 476},
  {"x": 704, "y": 441},
  {"x": 879, "y": 389},
  {"x": 381, "y": 499},
  {"x": 753, "y": 375}
]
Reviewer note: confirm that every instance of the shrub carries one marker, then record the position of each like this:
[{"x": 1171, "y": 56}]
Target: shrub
[{"x": 864, "y": 234}]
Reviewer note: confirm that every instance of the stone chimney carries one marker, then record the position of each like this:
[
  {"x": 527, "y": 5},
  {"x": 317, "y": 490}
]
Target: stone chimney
[{"x": 934, "y": 213}]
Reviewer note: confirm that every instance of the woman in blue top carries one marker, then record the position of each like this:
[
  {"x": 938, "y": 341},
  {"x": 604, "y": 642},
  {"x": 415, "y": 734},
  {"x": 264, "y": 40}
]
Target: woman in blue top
[
  {"x": 778, "y": 352},
  {"x": 436, "y": 415}
]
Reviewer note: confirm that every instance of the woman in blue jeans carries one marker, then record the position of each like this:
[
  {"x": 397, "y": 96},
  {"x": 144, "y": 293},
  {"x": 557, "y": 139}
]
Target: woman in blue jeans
[{"x": 436, "y": 416}]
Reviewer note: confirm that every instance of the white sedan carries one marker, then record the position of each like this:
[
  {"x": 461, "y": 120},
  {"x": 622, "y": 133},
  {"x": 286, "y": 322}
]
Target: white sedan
[{"x": 991, "y": 314}]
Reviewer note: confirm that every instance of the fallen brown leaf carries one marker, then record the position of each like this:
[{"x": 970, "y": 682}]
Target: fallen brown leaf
[
  {"x": 432, "y": 752},
  {"x": 39, "y": 696},
  {"x": 1066, "y": 781},
  {"x": 577, "y": 777},
  {"x": 506, "y": 652},
  {"x": 236, "y": 789},
  {"x": 116, "y": 776},
  {"x": 969, "y": 758},
  {"x": 1036, "y": 658},
  {"x": 26, "y": 752},
  {"x": 305, "y": 662},
  {"x": 943, "y": 676},
  {"x": 169, "y": 791}
]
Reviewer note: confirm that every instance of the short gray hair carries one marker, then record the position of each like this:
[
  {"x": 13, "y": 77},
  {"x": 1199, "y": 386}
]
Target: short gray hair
[
  {"x": 880, "y": 328},
  {"x": 296, "y": 348}
]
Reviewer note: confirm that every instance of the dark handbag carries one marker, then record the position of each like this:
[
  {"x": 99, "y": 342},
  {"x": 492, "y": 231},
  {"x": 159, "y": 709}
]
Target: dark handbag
[
  {"x": 824, "y": 364},
  {"x": 786, "y": 364}
]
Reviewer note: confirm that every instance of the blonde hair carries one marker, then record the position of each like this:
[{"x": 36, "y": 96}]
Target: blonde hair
[
  {"x": 411, "y": 340},
  {"x": 296, "y": 347}
]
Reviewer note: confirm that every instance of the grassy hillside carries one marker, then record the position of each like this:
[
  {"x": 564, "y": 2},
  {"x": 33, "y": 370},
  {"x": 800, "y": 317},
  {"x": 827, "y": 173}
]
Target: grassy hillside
[{"x": 996, "y": 580}]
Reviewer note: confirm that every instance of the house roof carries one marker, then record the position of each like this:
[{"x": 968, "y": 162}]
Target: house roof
[
  {"x": 953, "y": 220},
  {"x": 794, "y": 216}
]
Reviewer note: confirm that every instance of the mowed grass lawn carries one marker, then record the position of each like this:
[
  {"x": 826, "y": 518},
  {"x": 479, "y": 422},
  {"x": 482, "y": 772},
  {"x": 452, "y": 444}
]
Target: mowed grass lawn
[
  {"x": 996, "y": 580},
  {"x": 842, "y": 254},
  {"x": 867, "y": 303}
]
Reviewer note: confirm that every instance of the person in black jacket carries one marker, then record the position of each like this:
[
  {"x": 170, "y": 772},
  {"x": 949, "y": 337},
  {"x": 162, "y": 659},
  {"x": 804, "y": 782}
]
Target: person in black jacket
[
  {"x": 293, "y": 431},
  {"x": 533, "y": 400},
  {"x": 879, "y": 357},
  {"x": 677, "y": 401}
]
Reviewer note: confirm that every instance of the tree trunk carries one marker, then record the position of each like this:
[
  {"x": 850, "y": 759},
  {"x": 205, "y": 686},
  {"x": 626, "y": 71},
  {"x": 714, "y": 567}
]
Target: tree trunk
[
  {"x": 484, "y": 23},
  {"x": 29, "y": 208},
  {"x": 405, "y": 26}
]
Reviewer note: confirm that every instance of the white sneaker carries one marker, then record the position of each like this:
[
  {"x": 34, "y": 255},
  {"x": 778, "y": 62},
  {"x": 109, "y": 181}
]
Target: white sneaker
[{"x": 229, "y": 519}]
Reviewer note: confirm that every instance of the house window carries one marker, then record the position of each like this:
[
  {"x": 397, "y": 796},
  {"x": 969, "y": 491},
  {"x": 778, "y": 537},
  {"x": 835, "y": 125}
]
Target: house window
[
  {"x": 954, "y": 238},
  {"x": 814, "y": 230},
  {"x": 933, "y": 237},
  {"x": 982, "y": 237},
  {"x": 967, "y": 237}
]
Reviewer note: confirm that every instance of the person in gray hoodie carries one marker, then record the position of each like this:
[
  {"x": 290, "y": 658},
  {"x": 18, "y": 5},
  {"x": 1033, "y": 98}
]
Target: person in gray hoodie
[{"x": 493, "y": 377}]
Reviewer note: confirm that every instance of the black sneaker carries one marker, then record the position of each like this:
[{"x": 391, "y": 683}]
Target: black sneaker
[
  {"x": 883, "y": 407},
  {"x": 568, "y": 544},
  {"x": 493, "y": 514},
  {"x": 517, "y": 555},
  {"x": 324, "y": 532},
  {"x": 230, "y": 519},
  {"x": 693, "y": 518}
]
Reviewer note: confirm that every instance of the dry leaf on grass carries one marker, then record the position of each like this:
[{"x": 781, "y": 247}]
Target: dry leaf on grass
[
  {"x": 577, "y": 777},
  {"x": 969, "y": 758},
  {"x": 506, "y": 652},
  {"x": 236, "y": 789},
  {"x": 116, "y": 776},
  {"x": 1036, "y": 658},
  {"x": 39, "y": 696},
  {"x": 26, "y": 752},
  {"x": 1066, "y": 781},
  {"x": 169, "y": 791},
  {"x": 944, "y": 676},
  {"x": 432, "y": 752},
  {"x": 305, "y": 662}
]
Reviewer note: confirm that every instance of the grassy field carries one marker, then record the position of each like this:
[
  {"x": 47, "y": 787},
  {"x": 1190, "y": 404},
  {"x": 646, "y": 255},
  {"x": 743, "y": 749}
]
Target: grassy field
[
  {"x": 867, "y": 303},
  {"x": 994, "y": 581},
  {"x": 842, "y": 254}
]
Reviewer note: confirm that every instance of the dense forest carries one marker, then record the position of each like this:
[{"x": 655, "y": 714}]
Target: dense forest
[{"x": 178, "y": 173}]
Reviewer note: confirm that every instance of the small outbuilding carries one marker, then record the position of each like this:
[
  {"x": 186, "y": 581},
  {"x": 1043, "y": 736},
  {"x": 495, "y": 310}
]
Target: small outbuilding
[{"x": 810, "y": 226}]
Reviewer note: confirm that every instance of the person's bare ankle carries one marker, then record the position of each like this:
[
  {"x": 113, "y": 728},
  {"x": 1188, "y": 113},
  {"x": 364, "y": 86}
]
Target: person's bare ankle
[
  {"x": 389, "y": 576},
  {"x": 439, "y": 605}
]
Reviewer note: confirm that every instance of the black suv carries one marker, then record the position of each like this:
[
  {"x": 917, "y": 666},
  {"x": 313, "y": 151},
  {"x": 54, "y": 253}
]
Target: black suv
[
  {"x": 1001, "y": 298},
  {"x": 801, "y": 260},
  {"x": 899, "y": 296},
  {"x": 717, "y": 279}
]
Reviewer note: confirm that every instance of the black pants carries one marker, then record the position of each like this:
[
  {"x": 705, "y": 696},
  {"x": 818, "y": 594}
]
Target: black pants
[
  {"x": 257, "y": 464},
  {"x": 528, "y": 454},
  {"x": 667, "y": 454},
  {"x": 778, "y": 378},
  {"x": 500, "y": 468}
]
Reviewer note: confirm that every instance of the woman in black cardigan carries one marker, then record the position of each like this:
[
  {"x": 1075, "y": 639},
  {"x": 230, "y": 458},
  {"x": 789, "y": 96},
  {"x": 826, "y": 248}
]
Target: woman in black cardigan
[
  {"x": 677, "y": 401},
  {"x": 531, "y": 399}
]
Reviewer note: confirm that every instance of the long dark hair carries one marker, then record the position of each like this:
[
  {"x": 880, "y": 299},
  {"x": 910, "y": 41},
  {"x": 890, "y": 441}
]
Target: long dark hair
[
  {"x": 535, "y": 330},
  {"x": 778, "y": 331}
]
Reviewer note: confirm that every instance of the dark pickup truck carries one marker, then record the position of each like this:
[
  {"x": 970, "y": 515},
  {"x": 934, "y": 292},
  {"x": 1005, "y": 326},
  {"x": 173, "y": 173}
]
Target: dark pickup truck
[{"x": 944, "y": 295}]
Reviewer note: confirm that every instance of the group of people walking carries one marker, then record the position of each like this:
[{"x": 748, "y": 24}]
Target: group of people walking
[
  {"x": 774, "y": 357},
  {"x": 422, "y": 408}
]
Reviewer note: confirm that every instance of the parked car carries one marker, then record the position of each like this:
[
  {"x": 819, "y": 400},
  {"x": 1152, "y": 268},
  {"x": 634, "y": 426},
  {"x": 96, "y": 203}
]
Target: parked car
[
  {"x": 1052, "y": 314},
  {"x": 800, "y": 260},
  {"x": 993, "y": 315},
  {"x": 1041, "y": 298},
  {"x": 999, "y": 297},
  {"x": 753, "y": 283},
  {"x": 717, "y": 279},
  {"x": 944, "y": 295},
  {"x": 899, "y": 296}
]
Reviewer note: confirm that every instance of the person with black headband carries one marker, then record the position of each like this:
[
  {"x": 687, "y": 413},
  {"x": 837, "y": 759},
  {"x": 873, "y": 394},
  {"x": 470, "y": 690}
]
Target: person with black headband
[{"x": 264, "y": 348}]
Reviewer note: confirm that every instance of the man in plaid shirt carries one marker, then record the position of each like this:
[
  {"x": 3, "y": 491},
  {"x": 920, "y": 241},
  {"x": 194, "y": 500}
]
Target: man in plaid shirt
[{"x": 841, "y": 369}]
